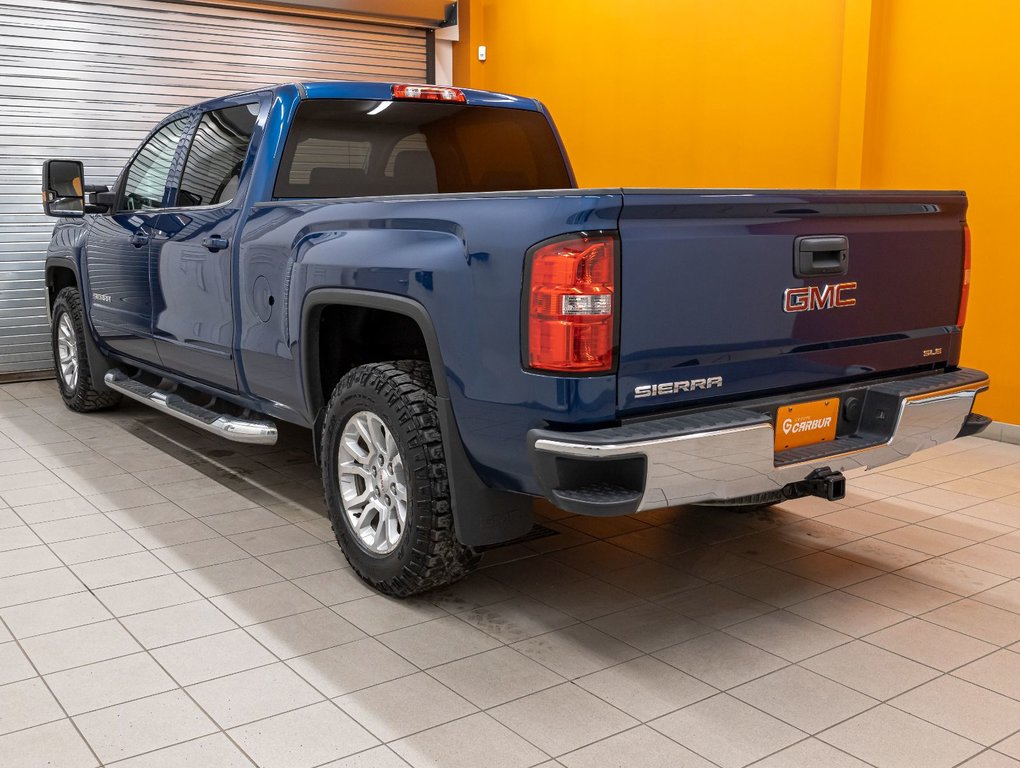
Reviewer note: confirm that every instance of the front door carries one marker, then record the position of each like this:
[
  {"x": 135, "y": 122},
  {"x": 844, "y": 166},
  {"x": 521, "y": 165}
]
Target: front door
[
  {"x": 192, "y": 249},
  {"x": 117, "y": 250}
]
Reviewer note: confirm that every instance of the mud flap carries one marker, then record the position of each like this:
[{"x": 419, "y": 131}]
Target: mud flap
[{"x": 481, "y": 515}]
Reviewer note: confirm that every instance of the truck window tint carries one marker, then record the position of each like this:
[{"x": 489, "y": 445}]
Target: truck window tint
[
  {"x": 321, "y": 154},
  {"x": 413, "y": 143},
  {"x": 148, "y": 172},
  {"x": 213, "y": 168},
  {"x": 339, "y": 148}
]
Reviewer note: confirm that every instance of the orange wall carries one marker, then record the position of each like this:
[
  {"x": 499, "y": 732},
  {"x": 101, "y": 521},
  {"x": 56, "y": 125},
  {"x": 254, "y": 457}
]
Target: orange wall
[
  {"x": 944, "y": 112},
  {"x": 798, "y": 93},
  {"x": 673, "y": 92}
]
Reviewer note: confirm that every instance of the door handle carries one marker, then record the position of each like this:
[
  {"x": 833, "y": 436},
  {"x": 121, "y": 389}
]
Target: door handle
[
  {"x": 821, "y": 255},
  {"x": 138, "y": 239},
  {"x": 215, "y": 243}
]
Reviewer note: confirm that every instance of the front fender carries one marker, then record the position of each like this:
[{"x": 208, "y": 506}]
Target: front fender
[{"x": 64, "y": 254}]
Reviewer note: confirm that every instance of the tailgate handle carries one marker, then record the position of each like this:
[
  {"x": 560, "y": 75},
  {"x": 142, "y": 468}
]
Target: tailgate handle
[{"x": 821, "y": 255}]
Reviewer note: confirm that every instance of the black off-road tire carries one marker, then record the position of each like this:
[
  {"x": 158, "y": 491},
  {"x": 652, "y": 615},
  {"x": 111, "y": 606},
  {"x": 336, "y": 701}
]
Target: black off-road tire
[
  {"x": 750, "y": 503},
  {"x": 428, "y": 555},
  {"x": 84, "y": 397}
]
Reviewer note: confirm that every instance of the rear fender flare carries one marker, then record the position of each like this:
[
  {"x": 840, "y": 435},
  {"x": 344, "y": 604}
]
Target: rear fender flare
[
  {"x": 320, "y": 298},
  {"x": 481, "y": 515}
]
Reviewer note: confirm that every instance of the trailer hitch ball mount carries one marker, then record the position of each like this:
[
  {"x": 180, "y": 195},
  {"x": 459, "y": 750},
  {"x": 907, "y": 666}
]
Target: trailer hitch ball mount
[{"x": 822, "y": 482}]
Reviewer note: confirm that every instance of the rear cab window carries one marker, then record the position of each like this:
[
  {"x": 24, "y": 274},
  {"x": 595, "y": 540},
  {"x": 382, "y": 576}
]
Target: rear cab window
[
  {"x": 216, "y": 156},
  {"x": 356, "y": 148}
]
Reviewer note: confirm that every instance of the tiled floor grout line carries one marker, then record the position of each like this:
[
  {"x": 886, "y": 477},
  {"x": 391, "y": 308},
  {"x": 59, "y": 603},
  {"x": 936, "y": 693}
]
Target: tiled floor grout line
[
  {"x": 311, "y": 684},
  {"x": 199, "y": 599},
  {"x": 122, "y": 760},
  {"x": 795, "y": 663},
  {"x": 202, "y": 463},
  {"x": 181, "y": 687},
  {"x": 651, "y": 601},
  {"x": 880, "y": 702},
  {"x": 142, "y": 645},
  {"x": 576, "y": 623},
  {"x": 896, "y": 572},
  {"x": 863, "y": 639},
  {"x": 42, "y": 679},
  {"x": 573, "y": 681},
  {"x": 187, "y": 693},
  {"x": 816, "y": 735},
  {"x": 440, "y": 682},
  {"x": 478, "y": 711},
  {"x": 380, "y": 745},
  {"x": 633, "y": 728},
  {"x": 990, "y": 750},
  {"x": 811, "y": 737},
  {"x": 156, "y": 549}
]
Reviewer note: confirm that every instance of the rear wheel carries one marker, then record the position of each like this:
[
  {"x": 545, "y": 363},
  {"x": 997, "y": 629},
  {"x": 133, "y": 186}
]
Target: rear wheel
[
  {"x": 74, "y": 376},
  {"x": 384, "y": 473}
]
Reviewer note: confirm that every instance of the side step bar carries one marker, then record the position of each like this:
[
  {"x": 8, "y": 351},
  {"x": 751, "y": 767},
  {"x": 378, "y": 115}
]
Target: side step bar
[{"x": 231, "y": 427}]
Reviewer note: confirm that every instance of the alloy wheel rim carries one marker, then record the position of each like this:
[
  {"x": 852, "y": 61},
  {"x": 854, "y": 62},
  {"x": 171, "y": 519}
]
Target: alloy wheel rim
[
  {"x": 373, "y": 483},
  {"x": 67, "y": 352}
]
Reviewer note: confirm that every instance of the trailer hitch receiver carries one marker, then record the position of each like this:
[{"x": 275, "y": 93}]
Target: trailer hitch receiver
[{"x": 823, "y": 482}]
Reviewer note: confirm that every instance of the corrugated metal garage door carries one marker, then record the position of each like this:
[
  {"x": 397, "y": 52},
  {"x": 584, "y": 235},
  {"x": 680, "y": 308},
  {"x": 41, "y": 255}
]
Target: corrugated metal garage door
[{"x": 88, "y": 81}]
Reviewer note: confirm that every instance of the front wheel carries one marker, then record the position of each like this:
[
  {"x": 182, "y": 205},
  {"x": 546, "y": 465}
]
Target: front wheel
[
  {"x": 74, "y": 375},
  {"x": 385, "y": 480}
]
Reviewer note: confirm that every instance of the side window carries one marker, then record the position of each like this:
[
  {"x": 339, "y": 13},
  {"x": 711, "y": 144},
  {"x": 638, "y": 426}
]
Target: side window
[
  {"x": 213, "y": 168},
  {"x": 147, "y": 175}
]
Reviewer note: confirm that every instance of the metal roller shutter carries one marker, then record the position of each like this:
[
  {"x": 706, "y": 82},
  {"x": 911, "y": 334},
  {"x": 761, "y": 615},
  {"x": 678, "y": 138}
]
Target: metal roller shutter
[{"x": 89, "y": 80}]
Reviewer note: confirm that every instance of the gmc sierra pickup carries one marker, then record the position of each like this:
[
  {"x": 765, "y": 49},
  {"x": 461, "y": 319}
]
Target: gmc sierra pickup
[{"x": 410, "y": 272}]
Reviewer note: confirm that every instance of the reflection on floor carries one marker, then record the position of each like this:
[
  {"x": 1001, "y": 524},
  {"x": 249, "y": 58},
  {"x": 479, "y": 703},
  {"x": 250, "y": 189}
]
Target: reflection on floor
[{"x": 170, "y": 599}]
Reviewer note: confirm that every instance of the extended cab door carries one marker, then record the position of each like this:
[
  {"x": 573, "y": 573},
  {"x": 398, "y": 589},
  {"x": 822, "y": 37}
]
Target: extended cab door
[
  {"x": 192, "y": 247},
  {"x": 117, "y": 249}
]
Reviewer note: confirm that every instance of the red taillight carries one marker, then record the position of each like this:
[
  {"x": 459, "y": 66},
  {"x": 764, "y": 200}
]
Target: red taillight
[
  {"x": 570, "y": 306},
  {"x": 428, "y": 93},
  {"x": 961, "y": 316}
]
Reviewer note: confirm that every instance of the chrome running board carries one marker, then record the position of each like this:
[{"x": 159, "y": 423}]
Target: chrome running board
[{"x": 231, "y": 427}]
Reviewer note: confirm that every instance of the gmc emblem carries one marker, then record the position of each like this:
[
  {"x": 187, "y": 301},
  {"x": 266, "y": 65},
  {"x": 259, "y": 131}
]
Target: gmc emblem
[{"x": 812, "y": 297}]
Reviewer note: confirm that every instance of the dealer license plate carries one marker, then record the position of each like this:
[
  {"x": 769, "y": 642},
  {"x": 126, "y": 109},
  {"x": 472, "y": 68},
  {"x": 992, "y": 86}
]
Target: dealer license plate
[{"x": 806, "y": 423}]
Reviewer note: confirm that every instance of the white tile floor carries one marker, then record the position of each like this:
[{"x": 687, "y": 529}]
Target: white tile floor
[{"x": 169, "y": 599}]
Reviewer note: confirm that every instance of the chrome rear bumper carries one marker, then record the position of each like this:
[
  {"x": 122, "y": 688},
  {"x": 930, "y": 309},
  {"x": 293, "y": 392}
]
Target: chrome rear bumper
[{"x": 729, "y": 452}]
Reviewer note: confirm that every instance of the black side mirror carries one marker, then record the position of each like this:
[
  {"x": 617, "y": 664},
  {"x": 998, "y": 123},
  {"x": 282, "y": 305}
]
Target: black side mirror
[{"x": 63, "y": 188}]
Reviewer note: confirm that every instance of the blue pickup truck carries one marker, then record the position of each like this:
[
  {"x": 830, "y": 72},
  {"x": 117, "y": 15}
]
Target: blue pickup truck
[{"x": 411, "y": 273}]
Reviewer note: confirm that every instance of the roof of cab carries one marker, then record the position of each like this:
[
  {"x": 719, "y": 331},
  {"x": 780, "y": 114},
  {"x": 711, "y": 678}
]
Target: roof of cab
[
  {"x": 383, "y": 92},
  {"x": 340, "y": 89}
]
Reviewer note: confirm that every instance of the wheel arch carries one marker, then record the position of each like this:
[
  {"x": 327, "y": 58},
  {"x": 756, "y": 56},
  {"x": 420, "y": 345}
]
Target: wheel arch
[
  {"x": 482, "y": 515},
  {"x": 58, "y": 277},
  {"x": 323, "y": 300},
  {"x": 61, "y": 274}
]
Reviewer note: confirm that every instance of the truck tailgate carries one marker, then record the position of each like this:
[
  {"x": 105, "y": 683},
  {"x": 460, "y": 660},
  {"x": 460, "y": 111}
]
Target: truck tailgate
[{"x": 705, "y": 312}]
